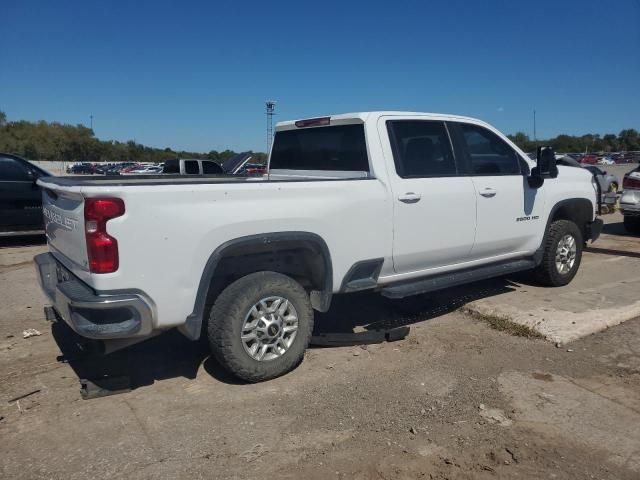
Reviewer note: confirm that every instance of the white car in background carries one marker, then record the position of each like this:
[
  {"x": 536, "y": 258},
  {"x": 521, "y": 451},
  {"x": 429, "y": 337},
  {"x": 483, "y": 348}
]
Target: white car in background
[
  {"x": 145, "y": 170},
  {"x": 630, "y": 201},
  {"x": 606, "y": 161},
  {"x": 608, "y": 182}
]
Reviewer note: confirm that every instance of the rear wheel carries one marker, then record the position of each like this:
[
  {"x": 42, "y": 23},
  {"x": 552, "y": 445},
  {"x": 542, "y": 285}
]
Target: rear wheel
[
  {"x": 632, "y": 224},
  {"x": 260, "y": 326},
  {"x": 562, "y": 254}
]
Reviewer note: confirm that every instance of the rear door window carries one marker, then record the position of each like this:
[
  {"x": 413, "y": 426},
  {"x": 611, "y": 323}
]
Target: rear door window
[
  {"x": 337, "y": 148},
  {"x": 191, "y": 167},
  {"x": 421, "y": 149},
  {"x": 487, "y": 153}
]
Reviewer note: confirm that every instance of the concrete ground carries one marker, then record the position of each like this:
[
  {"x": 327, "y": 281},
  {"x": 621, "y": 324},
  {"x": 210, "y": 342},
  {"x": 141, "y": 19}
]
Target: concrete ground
[
  {"x": 455, "y": 399},
  {"x": 604, "y": 293}
]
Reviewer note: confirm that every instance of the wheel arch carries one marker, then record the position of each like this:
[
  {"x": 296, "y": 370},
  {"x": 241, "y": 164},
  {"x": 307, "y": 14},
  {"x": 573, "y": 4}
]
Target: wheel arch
[
  {"x": 577, "y": 210},
  {"x": 264, "y": 252}
]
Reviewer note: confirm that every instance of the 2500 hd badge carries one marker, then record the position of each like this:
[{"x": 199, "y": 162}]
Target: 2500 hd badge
[{"x": 526, "y": 219}]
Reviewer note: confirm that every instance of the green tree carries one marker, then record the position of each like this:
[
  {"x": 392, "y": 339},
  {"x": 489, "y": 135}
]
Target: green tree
[{"x": 629, "y": 139}]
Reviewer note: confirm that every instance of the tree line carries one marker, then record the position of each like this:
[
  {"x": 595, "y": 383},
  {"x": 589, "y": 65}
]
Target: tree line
[
  {"x": 72, "y": 143},
  {"x": 627, "y": 140},
  {"x": 76, "y": 143}
]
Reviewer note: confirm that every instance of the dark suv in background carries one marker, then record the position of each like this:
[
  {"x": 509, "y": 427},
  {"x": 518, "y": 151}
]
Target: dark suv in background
[{"x": 20, "y": 197}]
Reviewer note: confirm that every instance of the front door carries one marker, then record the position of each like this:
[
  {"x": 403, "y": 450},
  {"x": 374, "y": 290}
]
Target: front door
[
  {"x": 509, "y": 211},
  {"x": 434, "y": 205}
]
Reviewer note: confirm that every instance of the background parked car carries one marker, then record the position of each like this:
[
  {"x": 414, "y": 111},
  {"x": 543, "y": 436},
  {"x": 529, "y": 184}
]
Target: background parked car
[
  {"x": 189, "y": 166},
  {"x": 84, "y": 168},
  {"x": 253, "y": 169},
  {"x": 588, "y": 159},
  {"x": 608, "y": 182},
  {"x": 143, "y": 170},
  {"x": 240, "y": 164},
  {"x": 20, "y": 197},
  {"x": 630, "y": 201}
]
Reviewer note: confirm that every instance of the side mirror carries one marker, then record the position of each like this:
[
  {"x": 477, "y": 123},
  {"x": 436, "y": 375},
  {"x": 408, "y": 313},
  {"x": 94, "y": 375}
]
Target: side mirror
[{"x": 546, "y": 167}]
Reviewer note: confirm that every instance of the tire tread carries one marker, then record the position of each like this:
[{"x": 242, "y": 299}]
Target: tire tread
[
  {"x": 230, "y": 306},
  {"x": 546, "y": 273}
]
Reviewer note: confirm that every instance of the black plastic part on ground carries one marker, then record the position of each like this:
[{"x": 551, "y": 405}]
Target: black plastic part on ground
[{"x": 343, "y": 339}]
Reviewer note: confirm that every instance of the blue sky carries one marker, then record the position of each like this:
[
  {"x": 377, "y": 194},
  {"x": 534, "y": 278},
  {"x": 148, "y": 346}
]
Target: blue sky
[{"x": 195, "y": 75}]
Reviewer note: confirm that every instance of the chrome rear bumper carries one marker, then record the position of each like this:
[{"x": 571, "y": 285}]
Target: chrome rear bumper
[{"x": 97, "y": 315}]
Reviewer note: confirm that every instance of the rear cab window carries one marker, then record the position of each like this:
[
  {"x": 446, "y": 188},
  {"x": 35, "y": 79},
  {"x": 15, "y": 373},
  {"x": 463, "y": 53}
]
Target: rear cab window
[{"x": 339, "y": 148}]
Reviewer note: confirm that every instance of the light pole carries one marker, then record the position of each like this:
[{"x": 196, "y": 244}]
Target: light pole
[
  {"x": 91, "y": 121},
  {"x": 270, "y": 110}
]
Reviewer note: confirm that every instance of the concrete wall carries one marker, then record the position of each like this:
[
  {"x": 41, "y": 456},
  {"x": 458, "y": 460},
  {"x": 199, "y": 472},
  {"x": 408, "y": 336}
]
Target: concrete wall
[{"x": 56, "y": 168}]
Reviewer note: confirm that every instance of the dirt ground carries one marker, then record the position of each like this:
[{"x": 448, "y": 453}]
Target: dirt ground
[{"x": 455, "y": 399}]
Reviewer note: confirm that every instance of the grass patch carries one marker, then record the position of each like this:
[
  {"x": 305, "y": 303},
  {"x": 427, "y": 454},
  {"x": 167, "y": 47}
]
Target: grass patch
[{"x": 504, "y": 324}]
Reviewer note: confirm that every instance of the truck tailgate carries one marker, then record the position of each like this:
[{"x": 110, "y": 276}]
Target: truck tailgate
[{"x": 64, "y": 225}]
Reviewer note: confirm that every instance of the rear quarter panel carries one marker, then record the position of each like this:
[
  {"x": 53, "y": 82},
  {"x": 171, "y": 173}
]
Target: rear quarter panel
[{"x": 167, "y": 234}]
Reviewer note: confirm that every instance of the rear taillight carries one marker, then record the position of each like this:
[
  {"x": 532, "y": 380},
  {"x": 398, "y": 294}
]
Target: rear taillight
[
  {"x": 631, "y": 182},
  {"x": 102, "y": 248}
]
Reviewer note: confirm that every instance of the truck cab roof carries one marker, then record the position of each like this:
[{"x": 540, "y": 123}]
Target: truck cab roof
[{"x": 361, "y": 117}]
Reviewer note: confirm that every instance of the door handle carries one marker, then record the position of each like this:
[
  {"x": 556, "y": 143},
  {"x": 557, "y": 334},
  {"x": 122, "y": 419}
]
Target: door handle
[
  {"x": 488, "y": 192},
  {"x": 410, "y": 197}
]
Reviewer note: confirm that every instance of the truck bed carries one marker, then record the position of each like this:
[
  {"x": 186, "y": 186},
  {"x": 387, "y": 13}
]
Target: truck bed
[
  {"x": 124, "y": 180},
  {"x": 170, "y": 179}
]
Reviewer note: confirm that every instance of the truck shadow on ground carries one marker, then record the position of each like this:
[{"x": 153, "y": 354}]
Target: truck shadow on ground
[
  {"x": 618, "y": 229},
  {"x": 171, "y": 355}
]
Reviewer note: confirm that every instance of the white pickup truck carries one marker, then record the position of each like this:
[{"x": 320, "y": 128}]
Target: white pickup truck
[{"x": 400, "y": 203}]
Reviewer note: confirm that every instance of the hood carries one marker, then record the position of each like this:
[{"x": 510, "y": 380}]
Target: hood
[{"x": 234, "y": 164}]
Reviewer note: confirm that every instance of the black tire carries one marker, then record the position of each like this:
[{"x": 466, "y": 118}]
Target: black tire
[
  {"x": 547, "y": 272},
  {"x": 227, "y": 318},
  {"x": 632, "y": 224}
]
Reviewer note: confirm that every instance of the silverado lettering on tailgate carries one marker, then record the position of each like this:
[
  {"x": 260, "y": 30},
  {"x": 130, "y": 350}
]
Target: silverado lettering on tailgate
[{"x": 65, "y": 222}]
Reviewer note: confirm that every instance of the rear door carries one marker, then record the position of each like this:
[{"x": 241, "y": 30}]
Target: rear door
[
  {"x": 509, "y": 211},
  {"x": 20, "y": 200},
  {"x": 434, "y": 200}
]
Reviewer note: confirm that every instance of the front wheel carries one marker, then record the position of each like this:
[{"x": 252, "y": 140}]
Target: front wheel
[
  {"x": 260, "y": 326},
  {"x": 562, "y": 253}
]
